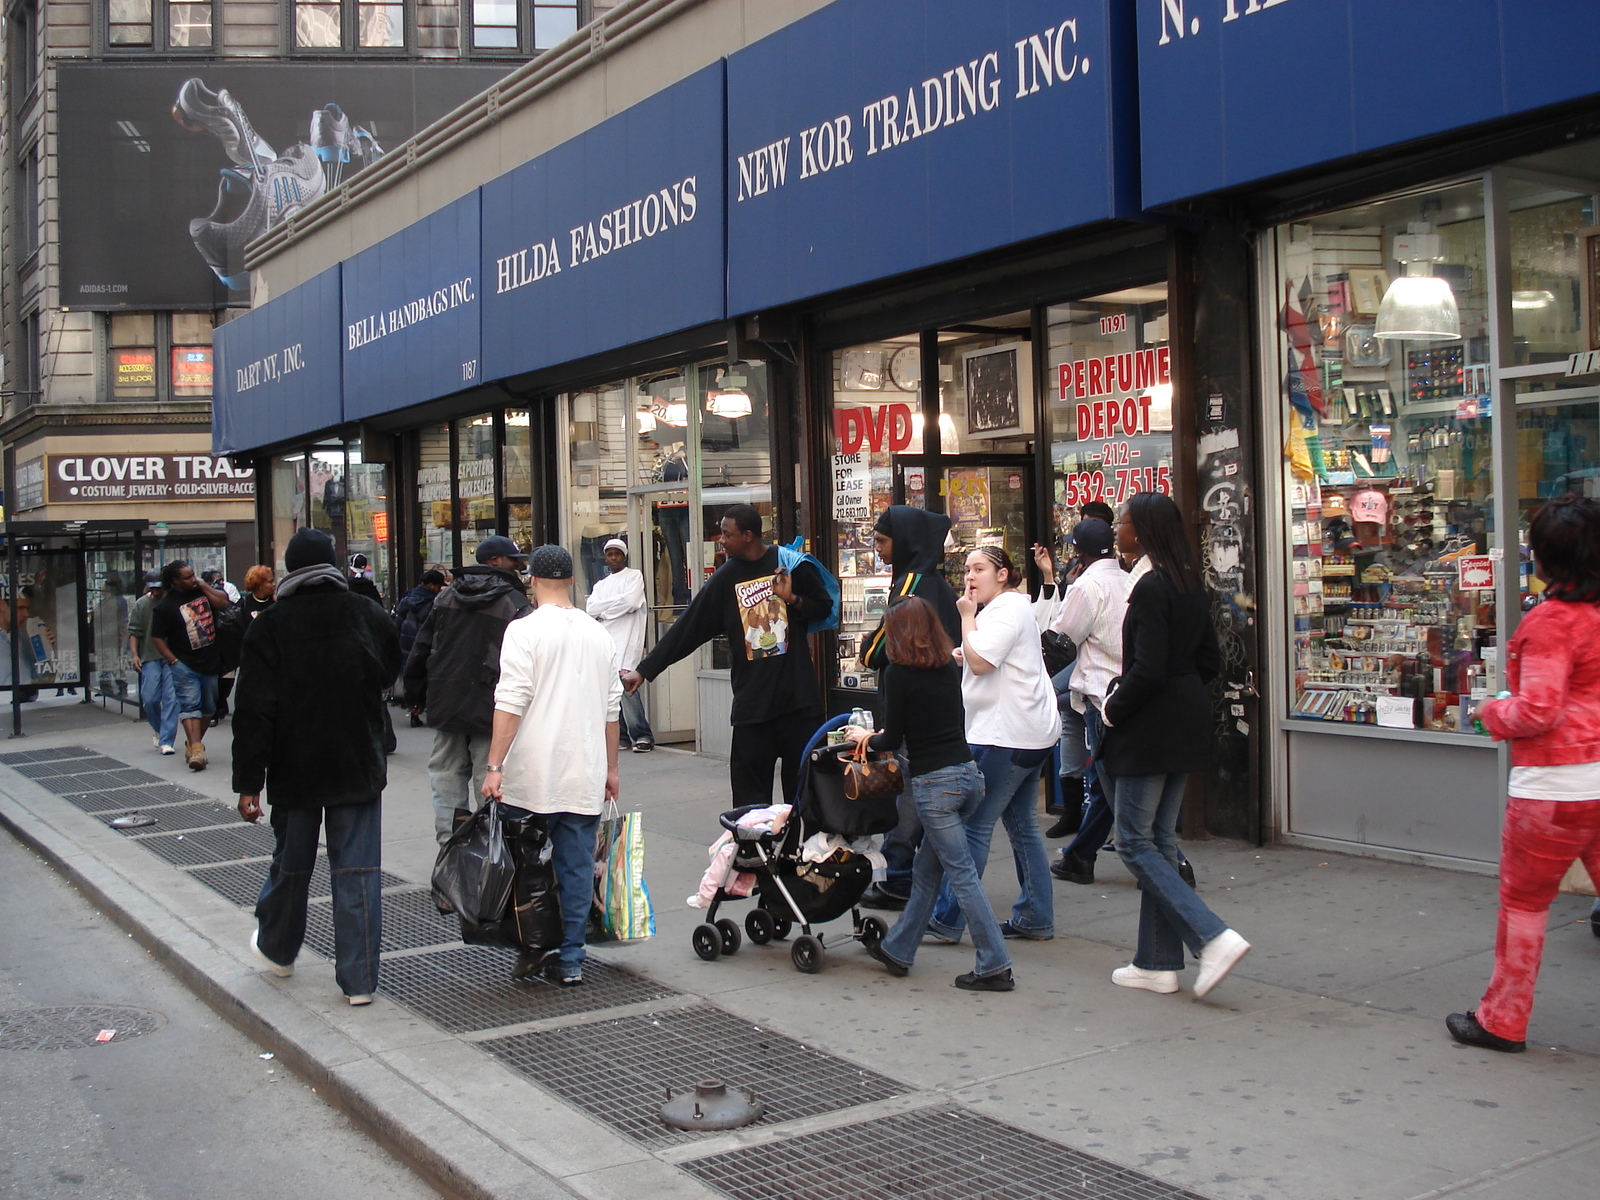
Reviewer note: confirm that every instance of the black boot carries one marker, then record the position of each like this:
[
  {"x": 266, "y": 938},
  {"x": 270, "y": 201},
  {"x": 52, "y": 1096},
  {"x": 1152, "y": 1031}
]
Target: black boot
[
  {"x": 1073, "y": 869},
  {"x": 1465, "y": 1029},
  {"x": 1067, "y": 823}
]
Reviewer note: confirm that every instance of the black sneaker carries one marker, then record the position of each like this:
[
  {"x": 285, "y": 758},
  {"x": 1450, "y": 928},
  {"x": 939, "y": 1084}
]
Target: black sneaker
[
  {"x": 1465, "y": 1029},
  {"x": 1008, "y": 930},
  {"x": 876, "y": 897},
  {"x": 643, "y": 747},
  {"x": 1073, "y": 869},
  {"x": 1186, "y": 872},
  {"x": 1001, "y": 982},
  {"x": 1067, "y": 823},
  {"x": 895, "y": 967}
]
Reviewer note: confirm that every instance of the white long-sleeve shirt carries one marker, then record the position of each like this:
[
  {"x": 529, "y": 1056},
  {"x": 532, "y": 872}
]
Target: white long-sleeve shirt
[
  {"x": 618, "y": 602},
  {"x": 558, "y": 673},
  {"x": 1091, "y": 615}
]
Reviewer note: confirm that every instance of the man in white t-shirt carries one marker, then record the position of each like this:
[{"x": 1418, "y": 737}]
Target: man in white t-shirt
[
  {"x": 618, "y": 602},
  {"x": 554, "y": 746}
]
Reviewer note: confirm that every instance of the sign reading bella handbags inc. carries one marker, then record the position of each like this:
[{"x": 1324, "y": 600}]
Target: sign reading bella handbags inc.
[
  {"x": 101, "y": 478},
  {"x": 875, "y": 137}
]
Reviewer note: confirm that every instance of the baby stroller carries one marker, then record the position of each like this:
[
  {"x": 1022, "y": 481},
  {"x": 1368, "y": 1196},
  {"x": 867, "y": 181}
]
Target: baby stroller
[{"x": 789, "y": 890}]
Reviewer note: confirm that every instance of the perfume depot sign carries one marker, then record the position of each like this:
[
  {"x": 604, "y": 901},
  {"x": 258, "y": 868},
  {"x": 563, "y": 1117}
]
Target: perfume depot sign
[{"x": 141, "y": 478}]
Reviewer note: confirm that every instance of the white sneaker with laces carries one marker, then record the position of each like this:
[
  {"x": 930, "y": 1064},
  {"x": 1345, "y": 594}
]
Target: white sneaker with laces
[
  {"x": 1130, "y": 976},
  {"x": 169, "y": 750},
  {"x": 278, "y": 969},
  {"x": 1217, "y": 957}
]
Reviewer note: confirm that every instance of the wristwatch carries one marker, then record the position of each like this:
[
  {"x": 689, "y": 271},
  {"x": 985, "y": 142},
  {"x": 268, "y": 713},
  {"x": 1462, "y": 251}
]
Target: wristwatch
[{"x": 497, "y": 770}]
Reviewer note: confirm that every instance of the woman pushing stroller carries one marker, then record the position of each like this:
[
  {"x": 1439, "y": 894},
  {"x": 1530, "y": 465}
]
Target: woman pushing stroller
[{"x": 946, "y": 787}]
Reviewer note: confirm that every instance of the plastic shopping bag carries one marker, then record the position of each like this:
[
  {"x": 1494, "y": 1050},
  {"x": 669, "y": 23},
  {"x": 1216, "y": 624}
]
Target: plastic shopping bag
[
  {"x": 474, "y": 873},
  {"x": 622, "y": 908}
]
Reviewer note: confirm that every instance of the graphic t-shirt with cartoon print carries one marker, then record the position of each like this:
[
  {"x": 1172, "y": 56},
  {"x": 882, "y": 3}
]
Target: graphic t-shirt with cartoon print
[
  {"x": 770, "y": 670},
  {"x": 186, "y": 622}
]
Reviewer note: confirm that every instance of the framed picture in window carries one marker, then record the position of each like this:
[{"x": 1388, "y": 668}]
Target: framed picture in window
[{"x": 999, "y": 386}]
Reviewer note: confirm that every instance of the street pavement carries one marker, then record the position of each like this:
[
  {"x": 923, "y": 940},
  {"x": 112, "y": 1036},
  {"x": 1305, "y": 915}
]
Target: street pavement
[
  {"x": 1320, "y": 1068},
  {"x": 189, "y": 1111}
]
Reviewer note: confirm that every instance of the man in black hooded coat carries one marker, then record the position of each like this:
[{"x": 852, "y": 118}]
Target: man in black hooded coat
[{"x": 911, "y": 540}]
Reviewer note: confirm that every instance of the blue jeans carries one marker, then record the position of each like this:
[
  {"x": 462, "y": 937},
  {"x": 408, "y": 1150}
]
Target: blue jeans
[
  {"x": 635, "y": 725},
  {"x": 1096, "y": 824},
  {"x": 1011, "y": 781},
  {"x": 159, "y": 699},
  {"x": 197, "y": 693},
  {"x": 455, "y": 775},
  {"x": 900, "y": 844},
  {"x": 572, "y": 838},
  {"x": 945, "y": 801},
  {"x": 1171, "y": 916},
  {"x": 355, "y": 836}
]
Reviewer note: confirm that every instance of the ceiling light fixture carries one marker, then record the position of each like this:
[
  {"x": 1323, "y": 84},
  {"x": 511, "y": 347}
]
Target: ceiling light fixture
[{"x": 1419, "y": 307}]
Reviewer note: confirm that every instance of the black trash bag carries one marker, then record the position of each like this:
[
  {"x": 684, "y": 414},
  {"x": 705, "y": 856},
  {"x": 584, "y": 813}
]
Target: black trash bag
[
  {"x": 531, "y": 916},
  {"x": 824, "y": 806},
  {"x": 474, "y": 873}
]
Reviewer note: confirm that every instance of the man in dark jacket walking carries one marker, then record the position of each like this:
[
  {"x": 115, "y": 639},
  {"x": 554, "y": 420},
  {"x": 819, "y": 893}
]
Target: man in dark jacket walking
[
  {"x": 410, "y": 615},
  {"x": 910, "y": 540},
  {"x": 308, "y": 725},
  {"x": 453, "y": 668}
]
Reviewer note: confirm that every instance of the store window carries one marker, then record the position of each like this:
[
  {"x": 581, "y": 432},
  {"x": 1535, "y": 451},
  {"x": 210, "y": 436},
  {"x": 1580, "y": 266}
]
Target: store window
[
  {"x": 436, "y": 530},
  {"x": 475, "y": 471},
  {"x": 1110, "y": 401},
  {"x": 151, "y": 24},
  {"x": 598, "y": 477},
  {"x": 132, "y": 353},
  {"x": 129, "y": 23},
  {"x": 350, "y": 24},
  {"x": 190, "y": 355},
  {"x": 1384, "y": 382},
  {"x": 513, "y": 25},
  {"x": 288, "y": 503},
  {"x": 517, "y": 473},
  {"x": 328, "y": 490},
  {"x": 366, "y": 521}
]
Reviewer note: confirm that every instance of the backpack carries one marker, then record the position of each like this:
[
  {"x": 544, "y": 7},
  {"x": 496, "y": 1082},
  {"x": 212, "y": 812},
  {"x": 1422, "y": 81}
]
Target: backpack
[{"x": 790, "y": 557}]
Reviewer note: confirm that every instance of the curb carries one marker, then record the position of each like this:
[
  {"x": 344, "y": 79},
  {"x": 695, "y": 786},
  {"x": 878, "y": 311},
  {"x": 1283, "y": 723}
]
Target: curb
[{"x": 445, "y": 1149}]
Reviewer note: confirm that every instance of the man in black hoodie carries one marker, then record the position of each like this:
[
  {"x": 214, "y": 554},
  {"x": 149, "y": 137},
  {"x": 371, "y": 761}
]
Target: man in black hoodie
[
  {"x": 911, "y": 540},
  {"x": 763, "y": 610},
  {"x": 454, "y": 666}
]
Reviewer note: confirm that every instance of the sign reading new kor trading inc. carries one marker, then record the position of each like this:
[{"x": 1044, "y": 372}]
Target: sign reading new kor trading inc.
[
  {"x": 875, "y": 137},
  {"x": 101, "y": 478}
]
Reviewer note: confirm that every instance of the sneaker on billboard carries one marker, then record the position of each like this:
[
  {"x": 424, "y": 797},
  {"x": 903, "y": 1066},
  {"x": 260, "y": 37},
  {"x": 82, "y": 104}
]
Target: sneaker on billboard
[
  {"x": 330, "y": 134},
  {"x": 201, "y": 110},
  {"x": 221, "y": 238}
]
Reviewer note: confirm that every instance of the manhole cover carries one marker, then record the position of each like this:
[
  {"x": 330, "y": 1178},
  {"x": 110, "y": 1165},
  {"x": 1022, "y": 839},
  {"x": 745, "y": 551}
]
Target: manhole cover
[{"x": 74, "y": 1026}]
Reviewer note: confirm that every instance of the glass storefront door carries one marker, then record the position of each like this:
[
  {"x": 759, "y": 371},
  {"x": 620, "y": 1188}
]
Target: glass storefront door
[{"x": 658, "y": 522}]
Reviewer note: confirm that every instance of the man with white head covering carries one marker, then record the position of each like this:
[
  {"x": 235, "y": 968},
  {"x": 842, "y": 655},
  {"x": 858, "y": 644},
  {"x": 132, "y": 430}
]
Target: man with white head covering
[{"x": 618, "y": 602}]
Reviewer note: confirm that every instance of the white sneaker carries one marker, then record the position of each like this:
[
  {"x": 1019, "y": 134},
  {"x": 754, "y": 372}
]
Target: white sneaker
[
  {"x": 278, "y": 969},
  {"x": 155, "y": 739},
  {"x": 359, "y": 999},
  {"x": 1131, "y": 976},
  {"x": 1217, "y": 957},
  {"x": 168, "y": 750}
]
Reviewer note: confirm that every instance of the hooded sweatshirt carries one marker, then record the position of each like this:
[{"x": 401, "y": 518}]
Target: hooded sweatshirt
[
  {"x": 455, "y": 663},
  {"x": 918, "y": 553}
]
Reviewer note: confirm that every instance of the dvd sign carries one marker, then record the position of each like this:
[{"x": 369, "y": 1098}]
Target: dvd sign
[{"x": 122, "y": 478}]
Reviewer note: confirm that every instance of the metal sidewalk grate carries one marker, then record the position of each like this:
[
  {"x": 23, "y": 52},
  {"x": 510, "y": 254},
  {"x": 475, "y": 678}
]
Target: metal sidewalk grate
[
  {"x": 241, "y": 882},
  {"x": 211, "y": 845},
  {"x": 410, "y": 921},
  {"x": 97, "y": 781},
  {"x": 173, "y": 817},
  {"x": 50, "y": 755},
  {"x": 66, "y": 766},
  {"x": 619, "y": 1070},
  {"x": 931, "y": 1154},
  {"x": 145, "y": 796},
  {"x": 470, "y": 988}
]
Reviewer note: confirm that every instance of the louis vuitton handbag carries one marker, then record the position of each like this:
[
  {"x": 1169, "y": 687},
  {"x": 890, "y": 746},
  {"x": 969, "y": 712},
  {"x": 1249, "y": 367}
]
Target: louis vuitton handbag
[{"x": 872, "y": 775}]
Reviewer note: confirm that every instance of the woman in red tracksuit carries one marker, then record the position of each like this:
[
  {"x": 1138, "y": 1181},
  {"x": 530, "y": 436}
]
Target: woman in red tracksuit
[{"x": 1552, "y": 720}]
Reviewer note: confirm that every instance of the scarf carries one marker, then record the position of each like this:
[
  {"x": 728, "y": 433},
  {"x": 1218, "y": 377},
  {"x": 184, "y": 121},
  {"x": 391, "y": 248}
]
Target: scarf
[{"x": 307, "y": 576}]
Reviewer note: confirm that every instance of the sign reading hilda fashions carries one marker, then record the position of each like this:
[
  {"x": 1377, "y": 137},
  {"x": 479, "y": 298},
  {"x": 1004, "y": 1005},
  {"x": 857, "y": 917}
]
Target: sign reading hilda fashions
[
  {"x": 411, "y": 313},
  {"x": 832, "y": 153},
  {"x": 611, "y": 238}
]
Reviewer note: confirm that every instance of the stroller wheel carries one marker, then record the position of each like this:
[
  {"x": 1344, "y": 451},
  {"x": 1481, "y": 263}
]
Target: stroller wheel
[
  {"x": 782, "y": 923},
  {"x": 707, "y": 941},
  {"x": 758, "y": 923},
  {"x": 873, "y": 930},
  {"x": 806, "y": 954},
  {"x": 731, "y": 937}
]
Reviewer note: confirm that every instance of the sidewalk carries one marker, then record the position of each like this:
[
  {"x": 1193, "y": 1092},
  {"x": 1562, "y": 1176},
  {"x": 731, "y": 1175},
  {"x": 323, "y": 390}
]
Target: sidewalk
[{"x": 1320, "y": 1069}]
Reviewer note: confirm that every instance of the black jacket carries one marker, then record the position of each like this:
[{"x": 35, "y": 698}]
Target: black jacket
[
  {"x": 308, "y": 715},
  {"x": 1159, "y": 714},
  {"x": 773, "y": 677},
  {"x": 454, "y": 665},
  {"x": 411, "y": 613},
  {"x": 918, "y": 556}
]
